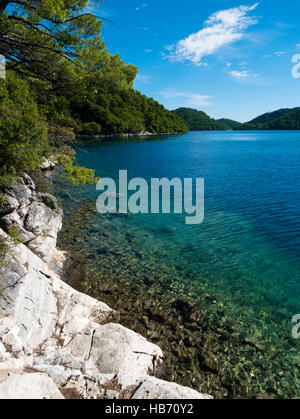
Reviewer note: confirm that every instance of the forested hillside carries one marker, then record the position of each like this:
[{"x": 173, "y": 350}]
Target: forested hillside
[
  {"x": 283, "y": 119},
  {"x": 230, "y": 123},
  {"x": 106, "y": 109},
  {"x": 103, "y": 101},
  {"x": 60, "y": 80},
  {"x": 199, "y": 121}
]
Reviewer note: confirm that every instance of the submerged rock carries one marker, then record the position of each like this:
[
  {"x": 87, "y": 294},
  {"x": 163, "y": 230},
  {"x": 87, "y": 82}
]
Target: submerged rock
[{"x": 56, "y": 337}]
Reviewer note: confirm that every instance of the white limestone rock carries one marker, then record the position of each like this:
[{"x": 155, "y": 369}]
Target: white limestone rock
[
  {"x": 47, "y": 326},
  {"x": 38, "y": 218},
  {"x": 7, "y": 203},
  {"x": 15, "y": 220},
  {"x": 27, "y": 299},
  {"x": 153, "y": 388},
  {"x": 49, "y": 164},
  {"x": 28, "y": 181},
  {"x": 43, "y": 247},
  {"x": 21, "y": 192},
  {"x": 116, "y": 349},
  {"x": 29, "y": 386},
  {"x": 13, "y": 364},
  {"x": 3, "y": 235},
  {"x": 3, "y": 354},
  {"x": 77, "y": 310}
]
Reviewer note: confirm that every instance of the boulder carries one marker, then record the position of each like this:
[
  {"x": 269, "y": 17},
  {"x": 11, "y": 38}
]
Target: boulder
[
  {"x": 49, "y": 164},
  {"x": 43, "y": 247},
  {"x": 38, "y": 218},
  {"x": 22, "y": 193},
  {"x": 28, "y": 386},
  {"x": 153, "y": 388},
  {"x": 28, "y": 181},
  {"x": 126, "y": 386},
  {"x": 28, "y": 310},
  {"x": 15, "y": 220},
  {"x": 115, "y": 348},
  {"x": 7, "y": 204},
  {"x": 49, "y": 200}
]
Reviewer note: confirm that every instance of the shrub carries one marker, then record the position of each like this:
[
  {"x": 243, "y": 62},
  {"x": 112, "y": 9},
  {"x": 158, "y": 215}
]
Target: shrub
[
  {"x": 90, "y": 128},
  {"x": 4, "y": 252},
  {"x": 23, "y": 132}
]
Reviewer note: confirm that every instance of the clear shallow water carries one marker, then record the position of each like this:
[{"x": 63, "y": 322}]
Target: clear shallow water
[{"x": 247, "y": 251}]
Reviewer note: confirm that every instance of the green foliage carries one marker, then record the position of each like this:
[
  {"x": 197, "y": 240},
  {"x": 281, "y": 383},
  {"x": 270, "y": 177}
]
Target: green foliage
[
  {"x": 199, "y": 121},
  {"x": 90, "y": 128},
  {"x": 230, "y": 123},
  {"x": 35, "y": 35},
  {"x": 283, "y": 119},
  {"x": 62, "y": 81},
  {"x": 80, "y": 175},
  {"x": 126, "y": 111},
  {"x": 4, "y": 253},
  {"x": 106, "y": 102},
  {"x": 13, "y": 233},
  {"x": 3, "y": 203},
  {"x": 75, "y": 174},
  {"x": 23, "y": 132}
]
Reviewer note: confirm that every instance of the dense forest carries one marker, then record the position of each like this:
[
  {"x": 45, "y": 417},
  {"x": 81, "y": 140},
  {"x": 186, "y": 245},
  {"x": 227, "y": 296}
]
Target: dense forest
[
  {"x": 230, "y": 123},
  {"x": 105, "y": 102},
  {"x": 120, "y": 111},
  {"x": 283, "y": 119},
  {"x": 61, "y": 81},
  {"x": 199, "y": 121}
]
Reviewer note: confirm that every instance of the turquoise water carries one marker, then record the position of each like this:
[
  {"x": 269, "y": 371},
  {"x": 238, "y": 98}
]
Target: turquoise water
[{"x": 247, "y": 250}]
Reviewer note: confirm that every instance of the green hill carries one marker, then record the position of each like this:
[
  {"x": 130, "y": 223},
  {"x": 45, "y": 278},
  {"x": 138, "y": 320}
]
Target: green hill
[
  {"x": 199, "y": 121},
  {"x": 121, "y": 111},
  {"x": 230, "y": 123},
  {"x": 283, "y": 119}
]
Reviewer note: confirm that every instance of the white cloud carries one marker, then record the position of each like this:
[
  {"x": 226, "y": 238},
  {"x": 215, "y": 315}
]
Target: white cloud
[
  {"x": 222, "y": 28},
  {"x": 143, "y": 79},
  {"x": 298, "y": 46},
  {"x": 148, "y": 50},
  {"x": 189, "y": 99},
  {"x": 242, "y": 75},
  {"x": 280, "y": 53},
  {"x": 276, "y": 54},
  {"x": 141, "y": 7}
]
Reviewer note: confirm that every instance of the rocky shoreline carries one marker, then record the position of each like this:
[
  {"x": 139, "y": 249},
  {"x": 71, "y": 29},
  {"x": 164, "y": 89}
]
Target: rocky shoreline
[
  {"x": 56, "y": 342},
  {"x": 206, "y": 346}
]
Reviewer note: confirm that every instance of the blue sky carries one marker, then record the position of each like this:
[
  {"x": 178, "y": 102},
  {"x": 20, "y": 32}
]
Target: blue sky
[{"x": 228, "y": 58}]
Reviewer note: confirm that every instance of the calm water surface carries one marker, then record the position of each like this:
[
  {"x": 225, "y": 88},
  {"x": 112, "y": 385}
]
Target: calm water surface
[{"x": 247, "y": 250}]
